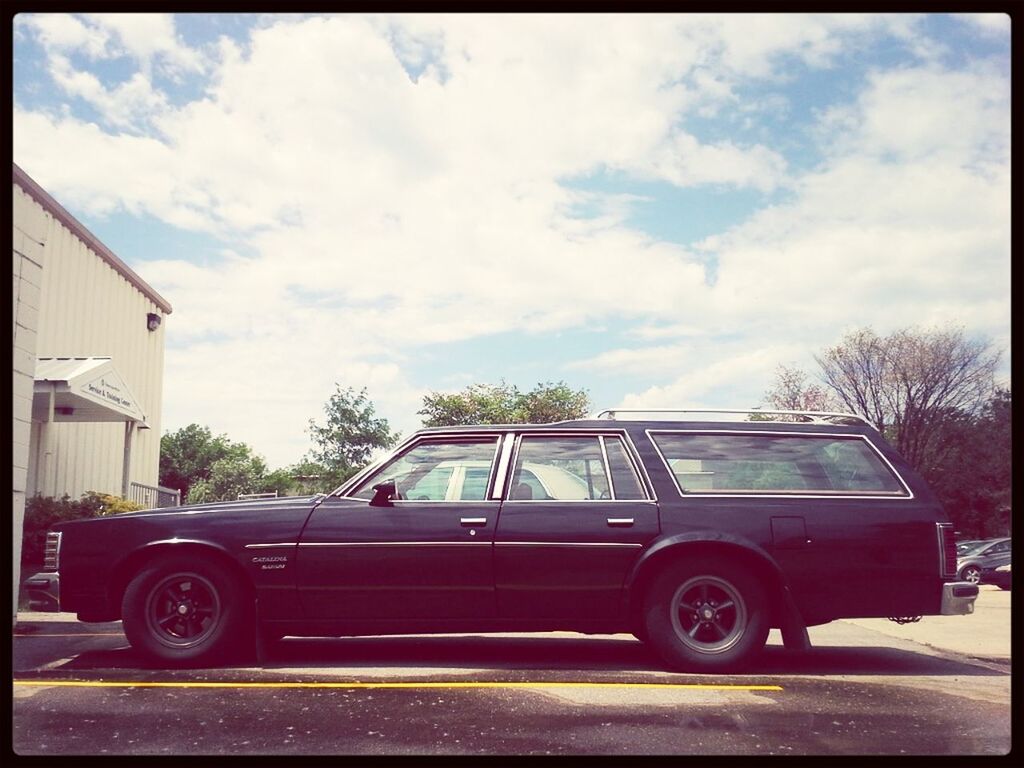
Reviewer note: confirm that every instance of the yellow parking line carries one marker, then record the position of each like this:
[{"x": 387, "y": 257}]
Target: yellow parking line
[{"x": 470, "y": 684}]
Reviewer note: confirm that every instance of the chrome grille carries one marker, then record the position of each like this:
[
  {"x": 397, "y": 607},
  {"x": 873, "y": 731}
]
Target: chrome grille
[
  {"x": 947, "y": 550},
  {"x": 51, "y": 559}
]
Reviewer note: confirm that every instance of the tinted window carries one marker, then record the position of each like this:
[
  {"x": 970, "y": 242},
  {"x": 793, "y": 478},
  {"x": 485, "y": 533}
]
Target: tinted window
[
  {"x": 566, "y": 468},
  {"x": 748, "y": 463},
  {"x": 624, "y": 479},
  {"x": 423, "y": 473},
  {"x": 474, "y": 484}
]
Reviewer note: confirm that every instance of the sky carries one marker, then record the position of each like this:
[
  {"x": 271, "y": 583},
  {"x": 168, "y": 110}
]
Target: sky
[{"x": 658, "y": 209}]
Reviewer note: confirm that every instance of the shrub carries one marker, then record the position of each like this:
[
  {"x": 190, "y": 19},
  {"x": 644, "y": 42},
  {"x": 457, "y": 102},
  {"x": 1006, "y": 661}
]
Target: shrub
[
  {"x": 108, "y": 504},
  {"x": 43, "y": 512}
]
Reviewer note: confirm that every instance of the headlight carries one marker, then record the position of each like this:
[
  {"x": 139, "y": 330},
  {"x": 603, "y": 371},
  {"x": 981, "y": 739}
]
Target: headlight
[{"x": 1004, "y": 568}]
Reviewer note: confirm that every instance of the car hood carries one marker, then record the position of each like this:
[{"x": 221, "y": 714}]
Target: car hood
[{"x": 247, "y": 506}]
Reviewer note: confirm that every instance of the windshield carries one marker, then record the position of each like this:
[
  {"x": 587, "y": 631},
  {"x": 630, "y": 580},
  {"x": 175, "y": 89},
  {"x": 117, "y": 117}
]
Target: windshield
[{"x": 976, "y": 547}]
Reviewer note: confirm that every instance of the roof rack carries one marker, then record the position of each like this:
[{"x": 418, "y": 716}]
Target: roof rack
[{"x": 815, "y": 417}]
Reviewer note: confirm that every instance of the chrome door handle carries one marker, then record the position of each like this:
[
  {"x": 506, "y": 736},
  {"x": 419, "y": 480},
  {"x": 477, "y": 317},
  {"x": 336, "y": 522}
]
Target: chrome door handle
[
  {"x": 623, "y": 522},
  {"x": 473, "y": 521}
]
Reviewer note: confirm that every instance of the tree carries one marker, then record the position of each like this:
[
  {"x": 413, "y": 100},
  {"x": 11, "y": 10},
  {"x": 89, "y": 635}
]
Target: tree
[
  {"x": 911, "y": 383},
  {"x": 350, "y": 435},
  {"x": 188, "y": 455},
  {"x": 973, "y": 480},
  {"x": 505, "y": 404},
  {"x": 229, "y": 477},
  {"x": 793, "y": 392}
]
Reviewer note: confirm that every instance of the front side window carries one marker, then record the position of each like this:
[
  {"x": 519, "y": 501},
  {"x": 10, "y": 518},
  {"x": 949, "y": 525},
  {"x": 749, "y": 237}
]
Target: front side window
[
  {"x": 767, "y": 463},
  {"x": 437, "y": 470}
]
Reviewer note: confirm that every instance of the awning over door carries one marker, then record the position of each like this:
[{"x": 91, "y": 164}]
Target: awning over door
[{"x": 83, "y": 389}]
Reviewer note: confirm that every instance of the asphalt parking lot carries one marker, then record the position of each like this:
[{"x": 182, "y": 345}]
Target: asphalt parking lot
[{"x": 867, "y": 687}]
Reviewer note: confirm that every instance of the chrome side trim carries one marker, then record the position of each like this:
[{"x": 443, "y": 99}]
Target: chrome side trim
[
  {"x": 566, "y": 544},
  {"x": 394, "y": 543},
  {"x": 270, "y": 546},
  {"x": 607, "y": 467},
  {"x": 577, "y": 501},
  {"x": 503, "y": 471},
  {"x": 907, "y": 496}
]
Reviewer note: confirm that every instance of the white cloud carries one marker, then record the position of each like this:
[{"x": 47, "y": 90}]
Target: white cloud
[
  {"x": 386, "y": 212},
  {"x": 149, "y": 37},
  {"x": 64, "y": 33}
]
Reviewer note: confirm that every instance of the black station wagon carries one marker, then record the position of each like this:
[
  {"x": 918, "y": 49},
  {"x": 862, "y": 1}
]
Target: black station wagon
[{"x": 695, "y": 531}]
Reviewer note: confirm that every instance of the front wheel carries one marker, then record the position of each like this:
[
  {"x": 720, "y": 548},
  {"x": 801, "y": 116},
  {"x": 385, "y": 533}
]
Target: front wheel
[
  {"x": 184, "y": 611},
  {"x": 706, "y": 616}
]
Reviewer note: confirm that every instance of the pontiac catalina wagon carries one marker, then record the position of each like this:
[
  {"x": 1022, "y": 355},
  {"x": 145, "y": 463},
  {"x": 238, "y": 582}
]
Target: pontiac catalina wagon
[{"x": 695, "y": 531}]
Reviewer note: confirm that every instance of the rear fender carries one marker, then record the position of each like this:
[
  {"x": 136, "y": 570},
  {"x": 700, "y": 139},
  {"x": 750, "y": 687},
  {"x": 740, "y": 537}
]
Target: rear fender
[{"x": 731, "y": 549}]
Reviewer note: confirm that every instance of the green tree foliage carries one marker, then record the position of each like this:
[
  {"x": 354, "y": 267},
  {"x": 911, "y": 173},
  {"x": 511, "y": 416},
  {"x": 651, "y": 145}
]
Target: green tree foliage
[
  {"x": 188, "y": 455},
  {"x": 505, "y": 404},
  {"x": 349, "y": 436},
  {"x": 973, "y": 478},
  {"x": 208, "y": 468},
  {"x": 228, "y": 478}
]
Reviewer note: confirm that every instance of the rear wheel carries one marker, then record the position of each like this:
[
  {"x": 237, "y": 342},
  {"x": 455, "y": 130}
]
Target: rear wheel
[
  {"x": 183, "y": 611},
  {"x": 706, "y": 616}
]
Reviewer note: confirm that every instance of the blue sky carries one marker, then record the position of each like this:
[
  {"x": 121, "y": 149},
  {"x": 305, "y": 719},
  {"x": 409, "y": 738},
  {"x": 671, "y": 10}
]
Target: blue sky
[{"x": 658, "y": 208}]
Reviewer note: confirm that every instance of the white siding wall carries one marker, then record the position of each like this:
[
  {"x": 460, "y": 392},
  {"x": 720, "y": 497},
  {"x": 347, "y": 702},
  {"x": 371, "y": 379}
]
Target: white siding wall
[
  {"x": 29, "y": 231},
  {"x": 89, "y": 309}
]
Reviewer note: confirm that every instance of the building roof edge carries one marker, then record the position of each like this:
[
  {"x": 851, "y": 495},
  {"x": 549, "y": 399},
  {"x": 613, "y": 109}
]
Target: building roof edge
[{"x": 58, "y": 211}]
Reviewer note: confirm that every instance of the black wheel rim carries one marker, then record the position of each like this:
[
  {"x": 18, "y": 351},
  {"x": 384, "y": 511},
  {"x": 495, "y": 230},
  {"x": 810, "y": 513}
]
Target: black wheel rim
[
  {"x": 709, "y": 614},
  {"x": 183, "y": 610}
]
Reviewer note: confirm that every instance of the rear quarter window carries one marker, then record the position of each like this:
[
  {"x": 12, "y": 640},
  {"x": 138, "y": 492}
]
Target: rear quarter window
[{"x": 768, "y": 463}]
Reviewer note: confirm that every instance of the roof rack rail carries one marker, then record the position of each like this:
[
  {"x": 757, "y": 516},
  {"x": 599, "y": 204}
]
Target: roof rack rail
[{"x": 817, "y": 417}]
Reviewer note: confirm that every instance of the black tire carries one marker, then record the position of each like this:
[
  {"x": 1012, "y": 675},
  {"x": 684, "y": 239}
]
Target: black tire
[
  {"x": 971, "y": 573},
  {"x": 183, "y": 611},
  {"x": 704, "y": 615}
]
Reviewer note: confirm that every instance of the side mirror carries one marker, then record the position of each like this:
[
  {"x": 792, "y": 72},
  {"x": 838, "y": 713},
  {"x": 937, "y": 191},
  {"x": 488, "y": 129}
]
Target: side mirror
[{"x": 383, "y": 493}]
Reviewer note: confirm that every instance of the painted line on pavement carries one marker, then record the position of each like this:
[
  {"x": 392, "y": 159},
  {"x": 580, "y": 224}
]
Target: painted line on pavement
[{"x": 464, "y": 684}]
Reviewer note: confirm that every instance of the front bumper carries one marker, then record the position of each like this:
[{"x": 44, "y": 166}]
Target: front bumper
[
  {"x": 44, "y": 591},
  {"x": 958, "y": 598}
]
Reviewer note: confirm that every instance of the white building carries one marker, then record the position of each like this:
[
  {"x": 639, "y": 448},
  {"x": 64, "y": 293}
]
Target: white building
[{"x": 88, "y": 363}]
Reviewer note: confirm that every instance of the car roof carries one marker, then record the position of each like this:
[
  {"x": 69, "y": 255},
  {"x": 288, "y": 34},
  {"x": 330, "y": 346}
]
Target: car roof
[{"x": 616, "y": 425}]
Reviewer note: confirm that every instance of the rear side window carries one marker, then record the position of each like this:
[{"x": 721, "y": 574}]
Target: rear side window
[{"x": 749, "y": 463}]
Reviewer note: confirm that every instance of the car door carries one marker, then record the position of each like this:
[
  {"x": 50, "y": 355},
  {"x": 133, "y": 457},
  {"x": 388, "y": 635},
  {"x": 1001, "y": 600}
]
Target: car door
[
  {"x": 996, "y": 555},
  {"x": 426, "y": 556},
  {"x": 574, "y": 520}
]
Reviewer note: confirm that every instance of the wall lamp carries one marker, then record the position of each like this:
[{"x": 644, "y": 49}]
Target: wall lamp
[{"x": 152, "y": 321}]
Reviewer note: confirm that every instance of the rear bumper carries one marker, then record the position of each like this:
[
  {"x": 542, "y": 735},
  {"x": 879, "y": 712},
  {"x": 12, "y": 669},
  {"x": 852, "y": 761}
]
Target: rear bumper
[
  {"x": 43, "y": 591},
  {"x": 958, "y": 598}
]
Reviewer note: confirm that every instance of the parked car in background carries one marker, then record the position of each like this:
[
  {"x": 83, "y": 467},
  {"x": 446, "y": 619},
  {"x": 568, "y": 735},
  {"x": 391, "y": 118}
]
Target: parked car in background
[
  {"x": 989, "y": 554},
  {"x": 963, "y": 547},
  {"x": 697, "y": 533},
  {"x": 999, "y": 575}
]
